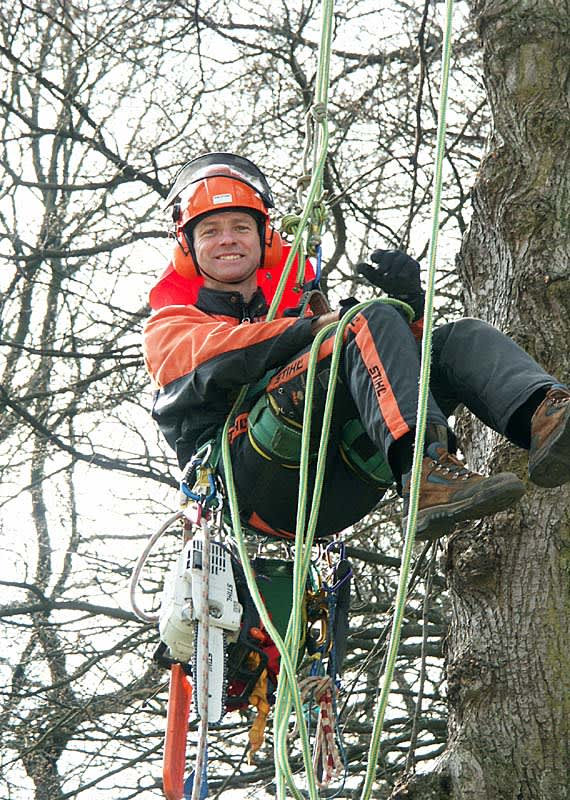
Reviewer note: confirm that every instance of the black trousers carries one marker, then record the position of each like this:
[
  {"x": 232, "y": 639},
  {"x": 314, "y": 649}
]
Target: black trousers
[{"x": 473, "y": 364}]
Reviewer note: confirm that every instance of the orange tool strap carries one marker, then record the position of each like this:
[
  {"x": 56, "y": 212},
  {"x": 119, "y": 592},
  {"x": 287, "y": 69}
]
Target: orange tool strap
[{"x": 177, "y": 715}]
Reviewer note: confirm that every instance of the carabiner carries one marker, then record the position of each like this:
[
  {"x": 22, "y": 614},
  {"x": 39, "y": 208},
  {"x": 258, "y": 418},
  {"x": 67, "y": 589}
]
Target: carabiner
[
  {"x": 205, "y": 480},
  {"x": 203, "y": 498}
]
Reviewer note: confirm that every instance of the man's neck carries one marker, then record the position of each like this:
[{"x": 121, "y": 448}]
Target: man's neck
[
  {"x": 230, "y": 302},
  {"x": 246, "y": 288}
]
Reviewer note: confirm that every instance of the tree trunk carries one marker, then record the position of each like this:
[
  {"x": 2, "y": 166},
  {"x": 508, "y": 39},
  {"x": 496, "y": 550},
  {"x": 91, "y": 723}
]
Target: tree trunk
[
  {"x": 509, "y": 643},
  {"x": 508, "y": 651}
]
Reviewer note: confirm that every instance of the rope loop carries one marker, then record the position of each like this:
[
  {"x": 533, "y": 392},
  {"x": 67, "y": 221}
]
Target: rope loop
[
  {"x": 290, "y": 224},
  {"x": 327, "y": 763}
]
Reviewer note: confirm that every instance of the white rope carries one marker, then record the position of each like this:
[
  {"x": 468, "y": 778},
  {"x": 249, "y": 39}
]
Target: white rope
[
  {"x": 202, "y": 663},
  {"x": 143, "y": 615}
]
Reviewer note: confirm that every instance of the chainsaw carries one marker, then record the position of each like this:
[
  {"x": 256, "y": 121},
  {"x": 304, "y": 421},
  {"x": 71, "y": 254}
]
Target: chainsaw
[{"x": 182, "y": 609}]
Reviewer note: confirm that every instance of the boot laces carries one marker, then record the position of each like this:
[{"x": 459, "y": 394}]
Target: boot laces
[
  {"x": 452, "y": 466},
  {"x": 558, "y": 396}
]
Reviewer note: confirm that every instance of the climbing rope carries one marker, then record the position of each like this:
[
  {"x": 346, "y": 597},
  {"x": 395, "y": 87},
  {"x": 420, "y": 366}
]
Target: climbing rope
[
  {"x": 288, "y": 695},
  {"x": 202, "y": 678},
  {"x": 145, "y": 616},
  {"x": 304, "y": 538},
  {"x": 313, "y": 214},
  {"x": 421, "y": 417}
]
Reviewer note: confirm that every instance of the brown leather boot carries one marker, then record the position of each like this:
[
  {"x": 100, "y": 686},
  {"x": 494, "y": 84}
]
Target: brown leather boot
[
  {"x": 549, "y": 457},
  {"x": 452, "y": 493}
]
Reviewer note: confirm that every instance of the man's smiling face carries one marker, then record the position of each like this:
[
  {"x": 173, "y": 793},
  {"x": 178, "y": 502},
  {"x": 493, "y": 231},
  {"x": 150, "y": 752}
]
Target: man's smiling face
[{"x": 228, "y": 251}]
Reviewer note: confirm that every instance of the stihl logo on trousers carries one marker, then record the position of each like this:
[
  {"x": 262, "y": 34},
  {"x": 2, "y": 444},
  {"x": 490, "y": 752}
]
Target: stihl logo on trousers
[
  {"x": 290, "y": 370},
  {"x": 377, "y": 380}
]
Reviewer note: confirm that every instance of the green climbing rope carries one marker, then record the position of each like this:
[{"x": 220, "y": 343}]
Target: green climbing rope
[
  {"x": 304, "y": 537},
  {"x": 288, "y": 697},
  {"x": 421, "y": 417},
  {"x": 288, "y": 693},
  {"x": 312, "y": 216}
]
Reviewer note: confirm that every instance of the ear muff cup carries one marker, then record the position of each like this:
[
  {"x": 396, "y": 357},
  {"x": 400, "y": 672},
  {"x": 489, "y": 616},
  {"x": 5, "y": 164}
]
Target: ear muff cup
[
  {"x": 273, "y": 252},
  {"x": 182, "y": 260},
  {"x": 184, "y": 265}
]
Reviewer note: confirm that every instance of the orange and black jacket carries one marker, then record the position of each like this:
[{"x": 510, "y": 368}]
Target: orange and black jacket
[{"x": 199, "y": 356}]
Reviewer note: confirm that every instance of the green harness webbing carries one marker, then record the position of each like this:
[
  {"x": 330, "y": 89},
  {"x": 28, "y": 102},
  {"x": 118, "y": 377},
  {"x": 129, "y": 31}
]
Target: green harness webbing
[{"x": 288, "y": 696}]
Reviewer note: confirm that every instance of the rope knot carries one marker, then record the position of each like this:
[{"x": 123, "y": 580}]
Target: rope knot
[
  {"x": 319, "y": 112},
  {"x": 290, "y": 223}
]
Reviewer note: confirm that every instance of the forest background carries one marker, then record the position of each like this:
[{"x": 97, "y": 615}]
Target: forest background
[{"x": 102, "y": 104}]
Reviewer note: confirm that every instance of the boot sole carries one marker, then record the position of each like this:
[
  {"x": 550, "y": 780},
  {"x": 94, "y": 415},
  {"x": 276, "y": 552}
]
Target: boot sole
[
  {"x": 502, "y": 492},
  {"x": 552, "y": 468}
]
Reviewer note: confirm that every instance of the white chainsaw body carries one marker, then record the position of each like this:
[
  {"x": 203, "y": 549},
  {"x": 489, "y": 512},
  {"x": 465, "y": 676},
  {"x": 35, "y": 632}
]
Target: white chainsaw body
[{"x": 182, "y": 609}]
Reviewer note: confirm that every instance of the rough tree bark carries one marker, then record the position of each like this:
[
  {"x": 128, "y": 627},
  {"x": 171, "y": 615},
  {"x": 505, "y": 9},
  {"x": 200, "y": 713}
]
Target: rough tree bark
[{"x": 508, "y": 655}]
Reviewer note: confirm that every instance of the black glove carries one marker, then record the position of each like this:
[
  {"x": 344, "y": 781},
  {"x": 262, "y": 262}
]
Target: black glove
[
  {"x": 398, "y": 274},
  {"x": 346, "y": 305}
]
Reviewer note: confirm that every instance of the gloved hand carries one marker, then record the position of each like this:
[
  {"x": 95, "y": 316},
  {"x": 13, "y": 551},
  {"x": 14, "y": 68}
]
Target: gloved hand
[
  {"x": 397, "y": 273},
  {"x": 345, "y": 305}
]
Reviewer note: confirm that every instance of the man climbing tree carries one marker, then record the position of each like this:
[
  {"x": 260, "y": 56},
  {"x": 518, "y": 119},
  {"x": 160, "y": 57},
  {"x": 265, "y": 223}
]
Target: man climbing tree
[{"x": 201, "y": 353}]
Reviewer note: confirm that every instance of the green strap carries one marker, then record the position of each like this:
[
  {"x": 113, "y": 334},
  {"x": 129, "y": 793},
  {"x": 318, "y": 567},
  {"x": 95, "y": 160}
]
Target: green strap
[{"x": 420, "y": 423}]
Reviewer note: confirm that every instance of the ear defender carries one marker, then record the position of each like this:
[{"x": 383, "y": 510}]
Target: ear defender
[
  {"x": 184, "y": 263},
  {"x": 273, "y": 250},
  {"x": 182, "y": 260}
]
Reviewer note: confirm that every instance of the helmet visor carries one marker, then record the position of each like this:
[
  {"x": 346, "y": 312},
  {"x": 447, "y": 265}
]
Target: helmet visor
[{"x": 223, "y": 165}]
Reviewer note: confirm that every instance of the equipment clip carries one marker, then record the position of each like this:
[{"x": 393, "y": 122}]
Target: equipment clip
[{"x": 200, "y": 474}]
